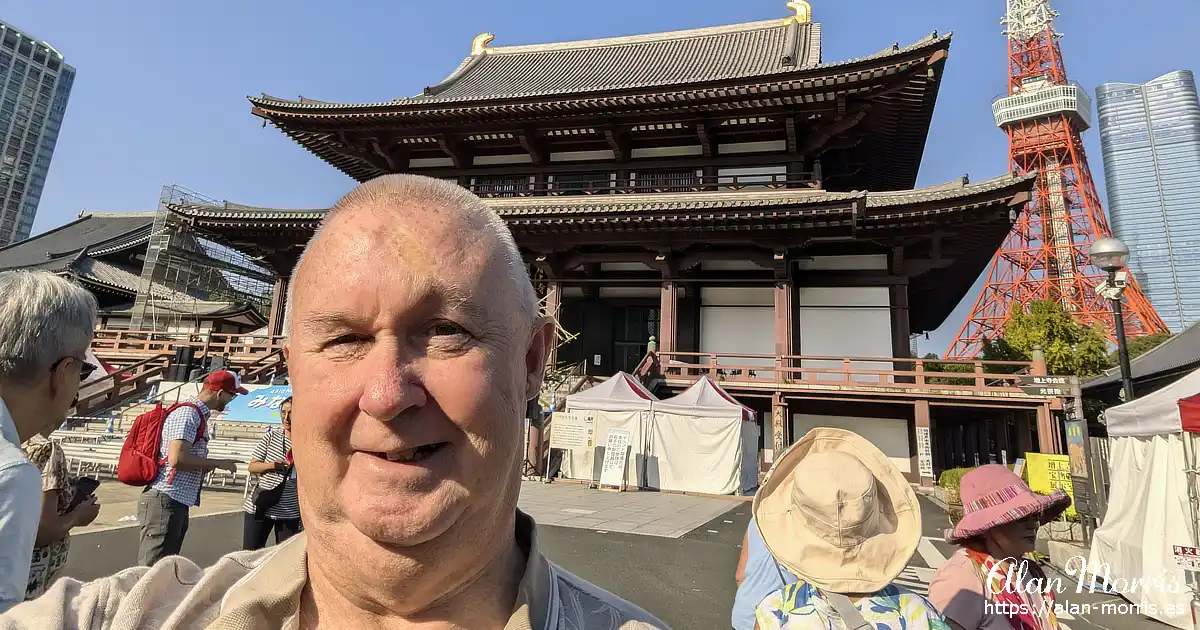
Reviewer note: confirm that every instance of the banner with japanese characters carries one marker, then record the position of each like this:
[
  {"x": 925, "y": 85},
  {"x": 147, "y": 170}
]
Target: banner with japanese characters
[{"x": 260, "y": 405}]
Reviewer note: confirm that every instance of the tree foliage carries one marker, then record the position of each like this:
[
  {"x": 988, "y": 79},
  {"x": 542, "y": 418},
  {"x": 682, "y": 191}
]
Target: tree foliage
[
  {"x": 1070, "y": 347},
  {"x": 1141, "y": 345}
]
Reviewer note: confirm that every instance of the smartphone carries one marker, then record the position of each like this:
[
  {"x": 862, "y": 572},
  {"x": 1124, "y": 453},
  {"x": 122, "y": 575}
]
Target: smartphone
[{"x": 84, "y": 488}]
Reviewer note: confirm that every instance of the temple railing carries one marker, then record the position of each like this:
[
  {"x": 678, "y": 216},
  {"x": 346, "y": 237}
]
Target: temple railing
[
  {"x": 604, "y": 184},
  {"x": 130, "y": 379},
  {"x": 799, "y": 370},
  {"x": 133, "y": 345}
]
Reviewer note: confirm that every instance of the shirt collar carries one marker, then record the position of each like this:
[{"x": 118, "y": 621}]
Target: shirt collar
[
  {"x": 271, "y": 592},
  {"x": 8, "y": 430},
  {"x": 204, "y": 410}
]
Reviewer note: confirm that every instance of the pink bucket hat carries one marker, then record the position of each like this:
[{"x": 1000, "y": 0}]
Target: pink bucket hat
[{"x": 992, "y": 496}]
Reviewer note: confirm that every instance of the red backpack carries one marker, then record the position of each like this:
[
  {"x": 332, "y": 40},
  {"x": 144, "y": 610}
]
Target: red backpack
[{"x": 139, "y": 462}]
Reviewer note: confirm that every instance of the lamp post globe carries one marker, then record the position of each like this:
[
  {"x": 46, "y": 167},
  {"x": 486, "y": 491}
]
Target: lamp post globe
[{"x": 1109, "y": 254}]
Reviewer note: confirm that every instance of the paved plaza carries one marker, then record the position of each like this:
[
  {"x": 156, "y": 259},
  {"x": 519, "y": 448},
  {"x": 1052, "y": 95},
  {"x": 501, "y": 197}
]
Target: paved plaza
[
  {"x": 645, "y": 513},
  {"x": 674, "y": 555}
]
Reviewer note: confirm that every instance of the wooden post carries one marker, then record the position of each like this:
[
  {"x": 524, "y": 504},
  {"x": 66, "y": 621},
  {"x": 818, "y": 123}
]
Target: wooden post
[
  {"x": 783, "y": 326},
  {"x": 278, "y": 316},
  {"x": 898, "y": 307},
  {"x": 553, "y": 308},
  {"x": 1024, "y": 441},
  {"x": 667, "y": 315},
  {"x": 779, "y": 427},
  {"x": 1047, "y": 436},
  {"x": 924, "y": 435}
]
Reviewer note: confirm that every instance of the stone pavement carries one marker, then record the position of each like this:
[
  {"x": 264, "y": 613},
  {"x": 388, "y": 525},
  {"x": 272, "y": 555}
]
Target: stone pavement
[
  {"x": 118, "y": 505},
  {"x": 631, "y": 512},
  {"x": 687, "y": 580}
]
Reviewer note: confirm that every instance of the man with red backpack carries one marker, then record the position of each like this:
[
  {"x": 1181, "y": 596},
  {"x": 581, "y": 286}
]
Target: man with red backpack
[{"x": 162, "y": 510}]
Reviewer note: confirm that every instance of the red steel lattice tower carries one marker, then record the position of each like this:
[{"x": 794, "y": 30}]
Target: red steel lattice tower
[{"x": 1046, "y": 254}]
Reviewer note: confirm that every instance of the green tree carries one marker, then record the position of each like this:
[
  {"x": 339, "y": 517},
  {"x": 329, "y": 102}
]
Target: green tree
[
  {"x": 1071, "y": 349},
  {"x": 1141, "y": 345}
]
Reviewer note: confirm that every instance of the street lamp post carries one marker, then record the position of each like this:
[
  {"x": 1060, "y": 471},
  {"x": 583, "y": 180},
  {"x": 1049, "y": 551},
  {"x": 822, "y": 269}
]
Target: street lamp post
[{"x": 1111, "y": 255}]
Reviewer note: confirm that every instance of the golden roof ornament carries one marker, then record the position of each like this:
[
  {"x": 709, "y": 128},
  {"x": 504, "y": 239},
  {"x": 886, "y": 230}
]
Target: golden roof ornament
[
  {"x": 802, "y": 9},
  {"x": 479, "y": 46}
]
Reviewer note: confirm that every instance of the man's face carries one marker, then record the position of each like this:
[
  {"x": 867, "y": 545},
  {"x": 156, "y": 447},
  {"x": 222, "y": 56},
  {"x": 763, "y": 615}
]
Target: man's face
[
  {"x": 223, "y": 400},
  {"x": 409, "y": 386},
  {"x": 62, "y": 386}
]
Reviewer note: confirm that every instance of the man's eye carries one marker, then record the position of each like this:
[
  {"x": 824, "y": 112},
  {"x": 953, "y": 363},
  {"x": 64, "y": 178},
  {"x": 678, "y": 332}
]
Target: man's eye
[
  {"x": 444, "y": 329},
  {"x": 346, "y": 339}
]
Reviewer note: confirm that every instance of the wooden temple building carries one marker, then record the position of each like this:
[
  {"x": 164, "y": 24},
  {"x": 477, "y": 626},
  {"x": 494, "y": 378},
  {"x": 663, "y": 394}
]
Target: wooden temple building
[
  {"x": 105, "y": 253},
  {"x": 718, "y": 201}
]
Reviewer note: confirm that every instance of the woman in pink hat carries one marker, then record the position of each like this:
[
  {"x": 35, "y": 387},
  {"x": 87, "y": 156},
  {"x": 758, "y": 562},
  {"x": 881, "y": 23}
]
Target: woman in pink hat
[{"x": 992, "y": 583}]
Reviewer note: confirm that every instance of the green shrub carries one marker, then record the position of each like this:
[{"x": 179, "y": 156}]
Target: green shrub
[{"x": 949, "y": 481}]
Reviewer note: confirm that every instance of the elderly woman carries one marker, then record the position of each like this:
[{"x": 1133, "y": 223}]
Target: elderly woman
[
  {"x": 53, "y": 541},
  {"x": 997, "y": 533},
  {"x": 46, "y": 326},
  {"x": 270, "y": 506},
  {"x": 846, "y": 538}
]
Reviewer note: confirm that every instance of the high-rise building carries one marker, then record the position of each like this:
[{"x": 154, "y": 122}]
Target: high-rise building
[
  {"x": 1150, "y": 137},
  {"x": 35, "y": 84}
]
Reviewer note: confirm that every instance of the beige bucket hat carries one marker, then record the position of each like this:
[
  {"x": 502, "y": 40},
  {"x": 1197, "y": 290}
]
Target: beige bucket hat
[{"x": 838, "y": 514}]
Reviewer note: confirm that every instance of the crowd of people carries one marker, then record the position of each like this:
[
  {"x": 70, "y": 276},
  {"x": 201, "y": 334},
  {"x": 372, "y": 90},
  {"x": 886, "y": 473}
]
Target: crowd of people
[{"x": 406, "y": 432}]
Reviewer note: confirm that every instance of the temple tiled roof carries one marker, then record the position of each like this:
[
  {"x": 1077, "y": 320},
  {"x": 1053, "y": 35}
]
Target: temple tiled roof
[
  {"x": 1177, "y": 354},
  {"x": 517, "y": 208},
  {"x": 91, "y": 234},
  {"x": 661, "y": 61},
  {"x": 720, "y": 53}
]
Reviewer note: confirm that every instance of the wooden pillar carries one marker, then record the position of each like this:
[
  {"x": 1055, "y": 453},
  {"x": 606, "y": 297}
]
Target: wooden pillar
[
  {"x": 784, "y": 316},
  {"x": 778, "y": 439},
  {"x": 1004, "y": 453},
  {"x": 553, "y": 309},
  {"x": 1024, "y": 441},
  {"x": 667, "y": 315},
  {"x": 898, "y": 308},
  {"x": 924, "y": 439},
  {"x": 278, "y": 316},
  {"x": 1047, "y": 436},
  {"x": 971, "y": 446}
]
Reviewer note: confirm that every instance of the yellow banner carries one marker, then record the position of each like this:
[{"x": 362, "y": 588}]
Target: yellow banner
[{"x": 1046, "y": 473}]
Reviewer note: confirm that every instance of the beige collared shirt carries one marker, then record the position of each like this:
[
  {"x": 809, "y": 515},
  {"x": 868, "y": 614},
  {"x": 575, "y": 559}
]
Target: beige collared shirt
[{"x": 258, "y": 590}]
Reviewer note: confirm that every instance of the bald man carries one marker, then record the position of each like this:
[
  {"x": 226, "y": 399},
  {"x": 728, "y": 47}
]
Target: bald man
[{"x": 415, "y": 340}]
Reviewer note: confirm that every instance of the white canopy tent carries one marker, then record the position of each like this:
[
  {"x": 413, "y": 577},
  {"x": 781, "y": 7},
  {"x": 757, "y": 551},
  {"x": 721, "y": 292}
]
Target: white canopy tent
[
  {"x": 620, "y": 402},
  {"x": 1148, "y": 510},
  {"x": 703, "y": 441}
]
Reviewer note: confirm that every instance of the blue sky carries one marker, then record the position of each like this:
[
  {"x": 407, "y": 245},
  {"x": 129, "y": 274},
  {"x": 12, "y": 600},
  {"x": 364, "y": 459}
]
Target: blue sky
[{"x": 160, "y": 94}]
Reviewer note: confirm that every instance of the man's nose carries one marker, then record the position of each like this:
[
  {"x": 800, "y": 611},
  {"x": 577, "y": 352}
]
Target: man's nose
[{"x": 393, "y": 384}]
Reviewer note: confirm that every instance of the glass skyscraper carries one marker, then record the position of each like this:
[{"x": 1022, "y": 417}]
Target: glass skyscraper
[
  {"x": 1150, "y": 138},
  {"x": 35, "y": 84}
]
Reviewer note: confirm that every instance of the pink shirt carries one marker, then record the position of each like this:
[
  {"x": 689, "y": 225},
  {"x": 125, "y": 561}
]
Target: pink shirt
[{"x": 957, "y": 591}]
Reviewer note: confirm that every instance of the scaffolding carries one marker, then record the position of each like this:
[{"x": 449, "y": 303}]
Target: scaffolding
[{"x": 187, "y": 275}]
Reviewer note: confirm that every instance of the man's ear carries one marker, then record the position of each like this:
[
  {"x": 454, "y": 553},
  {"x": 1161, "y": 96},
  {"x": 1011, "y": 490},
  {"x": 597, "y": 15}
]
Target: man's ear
[
  {"x": 540, "y": 343},
  {"x": 63, "y": 378}
]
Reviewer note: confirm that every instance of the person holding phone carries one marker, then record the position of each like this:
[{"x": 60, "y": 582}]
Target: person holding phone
[
  {"x": 272, "y": 505},
  {"x": 67, "y": 503}
]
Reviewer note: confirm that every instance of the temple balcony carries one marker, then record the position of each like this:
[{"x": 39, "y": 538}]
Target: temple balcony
[
  {"x": 641, "y": 182},
  {"x": 873, "y": 376}
]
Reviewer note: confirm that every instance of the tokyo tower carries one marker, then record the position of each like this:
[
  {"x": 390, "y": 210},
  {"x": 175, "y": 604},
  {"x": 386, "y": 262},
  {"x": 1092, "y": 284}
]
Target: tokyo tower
[{"x": 1046, "y": 254}]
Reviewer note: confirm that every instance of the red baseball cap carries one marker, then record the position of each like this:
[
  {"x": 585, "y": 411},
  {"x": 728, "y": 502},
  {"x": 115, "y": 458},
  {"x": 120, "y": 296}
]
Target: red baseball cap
[{"x": 224, "y": 381}]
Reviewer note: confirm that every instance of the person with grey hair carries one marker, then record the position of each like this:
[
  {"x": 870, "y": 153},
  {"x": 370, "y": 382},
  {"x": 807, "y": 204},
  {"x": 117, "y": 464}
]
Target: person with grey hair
[
  {"x": 46, "y": 326},
  {"x": 415, "y": 342}
]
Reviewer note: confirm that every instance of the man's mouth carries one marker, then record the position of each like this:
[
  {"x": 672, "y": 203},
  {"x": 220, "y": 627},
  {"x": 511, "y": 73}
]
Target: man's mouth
[{"x": 412, "y": 455}]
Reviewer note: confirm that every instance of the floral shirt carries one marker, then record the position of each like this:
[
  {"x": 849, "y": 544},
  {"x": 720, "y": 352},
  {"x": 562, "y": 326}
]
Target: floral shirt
[
  {"x": 800, "y": 605},
  {"x": 48, "y": 560}
]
